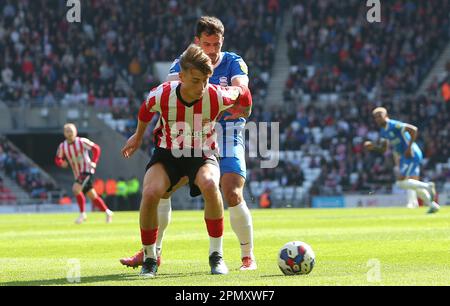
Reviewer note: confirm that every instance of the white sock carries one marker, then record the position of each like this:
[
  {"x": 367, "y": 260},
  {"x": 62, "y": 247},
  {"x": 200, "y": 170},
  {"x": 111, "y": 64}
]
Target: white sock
[
  {"x": 242, "y": 225},
  {"x": 424, "y": 195},
  {"x": 164, "y": 216},
  {"x": 109, "y": 212},
  {"x": 149, "y": 251},
  {"x": 420, "y": 187},
  {"x": 215, "y": 245},
  {"x": 412, "y": 184},
  {"x": 84, "y": 215},
  {"x": 412, "y": 198}
]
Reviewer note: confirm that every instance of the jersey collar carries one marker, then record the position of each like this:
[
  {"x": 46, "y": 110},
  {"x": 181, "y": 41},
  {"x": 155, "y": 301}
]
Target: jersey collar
[
  {"x": 219, "y": 61},
  {"x": 181, "y": 99}
]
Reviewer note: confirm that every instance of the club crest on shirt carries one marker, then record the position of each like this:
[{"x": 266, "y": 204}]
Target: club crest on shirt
[
  {"x": 223, "y": 81},
  {"x": 243, "y": 66}
]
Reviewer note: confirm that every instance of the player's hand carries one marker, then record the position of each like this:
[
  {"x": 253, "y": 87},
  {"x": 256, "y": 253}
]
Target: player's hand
[
  {"x": 93, "y": 167},
  {"x": 64, "y": 164},
  {"x": 131, "y": 146},
  {"x": 409, "y": 153},
  {"x": 368, "y": 145},
  {"x": 237, "y": 111}
]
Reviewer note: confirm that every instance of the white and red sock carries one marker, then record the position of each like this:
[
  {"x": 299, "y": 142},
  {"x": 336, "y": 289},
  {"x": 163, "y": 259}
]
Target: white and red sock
[
  {"x": 81, "y": 200},
  {"x": 148, "y": 238},
  {"x": 215, "y": 232},
  {"x": 100, "y": 204}
]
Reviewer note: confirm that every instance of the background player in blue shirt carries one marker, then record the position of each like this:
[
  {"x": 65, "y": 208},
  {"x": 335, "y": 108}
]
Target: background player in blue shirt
[
  {"x": 229, "y": 69},
  {"x": 402, "y": 138}
]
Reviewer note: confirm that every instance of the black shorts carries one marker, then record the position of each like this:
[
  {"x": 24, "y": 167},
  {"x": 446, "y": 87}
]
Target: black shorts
[
  {"x": 86, "y": 179},
  {"x": 178, "y": 167}
]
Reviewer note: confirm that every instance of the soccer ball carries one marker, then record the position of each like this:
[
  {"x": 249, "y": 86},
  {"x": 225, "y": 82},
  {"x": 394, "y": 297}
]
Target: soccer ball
[{"x": 295, "y": 258}]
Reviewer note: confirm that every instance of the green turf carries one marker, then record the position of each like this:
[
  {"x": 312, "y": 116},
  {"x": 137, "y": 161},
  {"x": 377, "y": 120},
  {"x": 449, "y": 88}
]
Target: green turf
[{"x": 411, "y": 248}]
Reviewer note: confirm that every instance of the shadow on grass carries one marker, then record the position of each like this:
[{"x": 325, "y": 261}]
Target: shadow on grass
[{"x": 91, "y": 280}]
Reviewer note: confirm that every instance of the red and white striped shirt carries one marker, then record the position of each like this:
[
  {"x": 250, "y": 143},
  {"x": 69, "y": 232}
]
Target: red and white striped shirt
[
  {"x": 188, "y": 126},
  {"x": 77, "y": 155}
]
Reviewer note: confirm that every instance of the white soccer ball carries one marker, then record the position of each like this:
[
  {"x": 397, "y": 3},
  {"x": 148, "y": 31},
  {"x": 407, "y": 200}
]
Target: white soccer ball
[{"x": 295, "y": 258}]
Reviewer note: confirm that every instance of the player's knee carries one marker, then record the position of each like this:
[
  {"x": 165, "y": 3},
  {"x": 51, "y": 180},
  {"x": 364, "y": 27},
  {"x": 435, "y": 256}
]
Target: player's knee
[
  {"x": 233, "y": 196},
  {"x": 152, "y": 193},
  {"x": 76, "y": 189},
  {"x": 402, "y": 183},
  {"x": 208, "y": 186}
]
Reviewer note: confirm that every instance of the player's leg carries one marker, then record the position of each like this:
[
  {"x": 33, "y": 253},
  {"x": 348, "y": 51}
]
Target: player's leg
[
  {"x": 81, "y": 200},
  {"x": 411, "y": 196},
  {"x": 99, "y": 203},
  {"x": 410, "y": 170},
  {"x": 207, "y": 180},
  {"x": 164, "y": 217},
  {"x": 156, "y": 183},
  {"x": 232, "y": 183}
]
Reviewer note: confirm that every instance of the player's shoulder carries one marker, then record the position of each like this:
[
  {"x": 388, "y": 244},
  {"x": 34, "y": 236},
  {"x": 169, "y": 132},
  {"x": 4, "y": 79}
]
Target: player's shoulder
[
  {"x": 85, "y": 140},
  {"x": 236, "y": 60},
  {"x": 395, "y": 124},
  {"x": 158, "y": 90},
  {"x": 231, "y": 55},
  {"x": 175, "y": 66}
]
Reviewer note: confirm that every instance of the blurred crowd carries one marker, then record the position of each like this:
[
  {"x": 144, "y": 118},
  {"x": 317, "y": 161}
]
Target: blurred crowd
[
  {"x": 334, "y": 49},
  {"x": 341, "y": 129},
  {"x": 106, "y": 60},
  {"x": 15, "y": 165}
]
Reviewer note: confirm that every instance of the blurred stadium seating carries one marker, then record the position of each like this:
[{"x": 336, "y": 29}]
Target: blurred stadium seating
[{"x": 340, "y": 68}]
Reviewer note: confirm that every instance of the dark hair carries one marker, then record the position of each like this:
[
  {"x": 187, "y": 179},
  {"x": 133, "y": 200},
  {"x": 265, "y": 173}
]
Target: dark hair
[
  {"x": 210, "y": 26},
  {"x": 195, "y": 58}
]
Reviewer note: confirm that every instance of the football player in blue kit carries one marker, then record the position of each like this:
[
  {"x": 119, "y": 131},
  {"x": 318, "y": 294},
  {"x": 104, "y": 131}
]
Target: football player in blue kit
[
  {"x": 229, "y": 69},
  {"x": 401, "y": 137}
]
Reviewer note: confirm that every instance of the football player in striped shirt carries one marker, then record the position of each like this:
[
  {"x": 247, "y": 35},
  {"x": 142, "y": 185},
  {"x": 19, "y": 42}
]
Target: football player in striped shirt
[
  {"x": 186, "y": 146},
  {"x": 402, "y": 137},
  {"x": 74, "y": 152},
  {"x": 229, "y": 69}
]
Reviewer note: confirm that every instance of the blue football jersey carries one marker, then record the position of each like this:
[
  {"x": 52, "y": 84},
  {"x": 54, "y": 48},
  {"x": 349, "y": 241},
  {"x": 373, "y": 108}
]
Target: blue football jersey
[
  {"x": 398, "y": 137},
  {"x": 229, "y": 66}
]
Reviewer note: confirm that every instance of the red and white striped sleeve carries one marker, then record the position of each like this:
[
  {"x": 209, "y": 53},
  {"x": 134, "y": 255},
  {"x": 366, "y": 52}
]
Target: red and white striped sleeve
[
  {"x": 228, "y": 96},
  {"x": 86, "y": 143},
  {"x": 151, "y": 105},
  {"x": 59, "y": 158}
]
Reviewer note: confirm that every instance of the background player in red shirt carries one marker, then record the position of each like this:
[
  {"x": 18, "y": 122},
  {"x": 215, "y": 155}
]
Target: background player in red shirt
[
  {"x": 74, "y": 151},
  {"x": 189, "y": 110}
]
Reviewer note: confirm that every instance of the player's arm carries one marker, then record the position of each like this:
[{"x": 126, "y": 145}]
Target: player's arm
[
  {"x": 380, "y": 147},
  {"x": 135, "y": 141},
  {"x": 94, "y": 148},
  {"x": 412, "y": 130},
  {"x": 59, "y": 159},
  {"x": 240, "y": 105}
]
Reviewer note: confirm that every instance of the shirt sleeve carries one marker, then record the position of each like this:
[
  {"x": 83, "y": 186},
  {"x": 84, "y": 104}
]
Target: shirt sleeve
[
  {"x": 87, "y": 144},
  {"x": 231, "y": 94},
  {"x": 151, "y": 105},
  {"x": 60, "y": 152},
  {"x": 175, "y": 68},
  {"x": 238, "y": 68}
]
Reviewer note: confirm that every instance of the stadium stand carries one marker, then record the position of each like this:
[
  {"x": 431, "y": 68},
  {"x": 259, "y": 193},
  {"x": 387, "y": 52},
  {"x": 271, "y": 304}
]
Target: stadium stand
[
  {"x": 341, "y": 67},
  {"x": 24, "y": 176}
]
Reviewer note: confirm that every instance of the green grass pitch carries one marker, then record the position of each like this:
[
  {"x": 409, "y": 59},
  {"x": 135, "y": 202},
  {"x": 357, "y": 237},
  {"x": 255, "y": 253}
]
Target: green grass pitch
[{"x": 366, "y": 246}]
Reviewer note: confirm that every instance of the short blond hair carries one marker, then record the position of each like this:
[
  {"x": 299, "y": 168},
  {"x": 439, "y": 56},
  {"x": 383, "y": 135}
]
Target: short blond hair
[
  {"x": 195, "y": 58},
  {"x": 70, "y": 126},
  {"x": 379, "y": 110}
]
